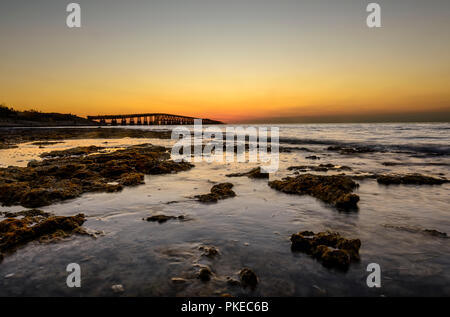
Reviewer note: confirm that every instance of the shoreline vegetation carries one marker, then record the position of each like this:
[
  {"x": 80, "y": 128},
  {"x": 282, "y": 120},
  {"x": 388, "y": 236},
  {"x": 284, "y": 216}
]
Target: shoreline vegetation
[{"x": 33, "y": 118}]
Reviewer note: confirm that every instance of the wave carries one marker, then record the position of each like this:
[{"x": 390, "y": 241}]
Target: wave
[{"x": 429, "y": 149}]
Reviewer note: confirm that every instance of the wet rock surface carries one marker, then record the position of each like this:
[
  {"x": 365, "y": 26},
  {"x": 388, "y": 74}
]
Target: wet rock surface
[
  {"x": 218, "y": 192},
  {"x": 51, "y": 180},
  {"x": 163, "y": 218},
  {"x": 36, "y": 225},
  {"x": 345, "y": 150},
  {"x": 254, "y": 173},
  {"x": 330, "y": 248},
  {"x": 21, "y": 135},
  {"x": 45, "y": 143},
  {"x": 319, "y": 168},
  {"x": 334, "y": 189},
  {"x": 77, "y": 151},
  {"x": 248, "y": 278},
  {"x": 4, "y": 146},
  {"x": 204, "y": 274},
  {"x": 412, "y": 229},
  {"x": 410, "y": 179}
]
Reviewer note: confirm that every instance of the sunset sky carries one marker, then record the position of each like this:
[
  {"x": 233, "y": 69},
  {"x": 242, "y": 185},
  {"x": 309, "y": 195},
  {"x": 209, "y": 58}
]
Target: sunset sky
[{"x": 231, "y": 60}]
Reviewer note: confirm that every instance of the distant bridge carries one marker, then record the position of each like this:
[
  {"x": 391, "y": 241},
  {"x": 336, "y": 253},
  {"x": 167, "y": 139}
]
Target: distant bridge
[{"x": 148, "y": 119}]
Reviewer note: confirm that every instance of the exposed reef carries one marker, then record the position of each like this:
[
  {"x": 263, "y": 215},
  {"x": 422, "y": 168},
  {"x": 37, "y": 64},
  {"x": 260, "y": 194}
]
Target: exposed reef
[
  {"x": 36, "y": 225},
  {"x": 319, "y": 168},
  {"x": 218, "y": 192},
  {"x": 254, "y": 173},
  {"x": 429, "y": 232},
  {"x": 248, "y": 278},
  {"x": 10, "y": 137},
  {"x": 51, "y": 180},
  {"x": 410, "y": 179},
  {"x": 76, "y": 151},
  {"x": 330, "y": 248},
  {"x": 334, "y": 189},
  {"x": 345, "y": 150},
  {"x": 163, "y": 218}
]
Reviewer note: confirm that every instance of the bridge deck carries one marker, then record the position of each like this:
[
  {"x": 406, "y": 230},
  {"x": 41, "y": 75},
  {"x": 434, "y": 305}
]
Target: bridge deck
[{"x": 148, "y": 118}]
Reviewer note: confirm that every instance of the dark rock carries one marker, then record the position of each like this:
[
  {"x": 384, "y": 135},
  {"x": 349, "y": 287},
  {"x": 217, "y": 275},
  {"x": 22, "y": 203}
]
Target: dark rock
[
  {"x": 350, "y": 150},
  {"x": 204, "y": 274},
  {"x": 410, "y": 179},
  {"x": 330, "y": 248},
  {"x": 312, "y": 157},
  {"x": 210, "y": 252},
  {"x": 233, "y": 282},
  {"x": 254, "y": 173},
  {"x": 248, "y": 278},
  {"x": 77, "y": 151},
  {"x": 44, "y": 143},
  {"x": 163, "y": 218},
  {"x": 333, "y": 189},
  {"x": 5, "y": 146},
  {"x": 219, "y": 191},
  {"x": 435, "y": 233},
  {"x": 57, "y": 179},
  {"x": 15, "y": 232},
  {"x": 320, "y": 168}
]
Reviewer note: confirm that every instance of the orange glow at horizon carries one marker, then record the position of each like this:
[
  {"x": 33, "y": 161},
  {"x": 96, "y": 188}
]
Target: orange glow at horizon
[{"x": 227, "y": 64}]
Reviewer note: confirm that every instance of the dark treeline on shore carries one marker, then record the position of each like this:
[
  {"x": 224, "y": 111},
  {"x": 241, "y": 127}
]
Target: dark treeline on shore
[{"x": 14, "y": 118}]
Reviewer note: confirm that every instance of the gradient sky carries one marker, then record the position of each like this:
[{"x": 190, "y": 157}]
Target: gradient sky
[{"x": 232, "y": 60}]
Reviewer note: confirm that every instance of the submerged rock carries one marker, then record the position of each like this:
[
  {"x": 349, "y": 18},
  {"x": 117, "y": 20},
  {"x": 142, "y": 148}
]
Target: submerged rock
[
  {"x": 15, "y": 232},
  {"x": 218, "y": 192},
  {"x": 254, "y": 173},
  {"x": 44, "y": 143},
  {"x": 248, "y": 278},
  {"x": 410, "y": 179},
  {"x": 412, "y": 229},
  {"x": 51, "y": 180},
  {"x": 320, "y": 168},
  {"x": 76, "y": 151},
  {"x": 210, "y": 252},
  {"x": 435, "y": 233},
  {"x": 334, "y": 189},
  {"x": 5, "y": 146},
  {"x": 330, "y": 248},
  {"x": 163, "y": 218},
  {"x": 350, "y": 150}
]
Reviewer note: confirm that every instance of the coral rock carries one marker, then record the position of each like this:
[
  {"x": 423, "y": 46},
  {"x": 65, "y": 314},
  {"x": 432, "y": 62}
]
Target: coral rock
[{"x": 335, "y": 189}]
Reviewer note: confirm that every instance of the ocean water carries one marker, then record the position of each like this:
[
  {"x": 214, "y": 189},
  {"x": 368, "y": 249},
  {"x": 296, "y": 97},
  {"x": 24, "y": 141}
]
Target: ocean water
[{"x": 253, "y": 229}]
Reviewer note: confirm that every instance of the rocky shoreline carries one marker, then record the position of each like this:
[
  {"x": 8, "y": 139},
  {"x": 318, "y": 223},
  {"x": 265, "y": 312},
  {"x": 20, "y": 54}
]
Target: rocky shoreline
[{"x": 66, "y": 174}]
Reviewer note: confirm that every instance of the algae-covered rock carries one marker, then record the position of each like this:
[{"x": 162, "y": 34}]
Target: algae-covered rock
[
  {"x": 36, "y": 225},
  {"x": 334, "y": 189},
  {"x": 66, "y": 177},
  {"x": 254, "y": 173},
  {"x": 330, "y": 248},
  {"x": 163, "y": 218},
  {"x": 218, "y": 192},
  {"x": 410, "y": 179},
  {"x": 248, "y": 278}
]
